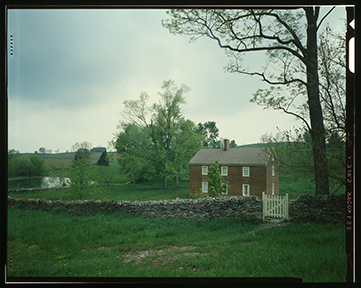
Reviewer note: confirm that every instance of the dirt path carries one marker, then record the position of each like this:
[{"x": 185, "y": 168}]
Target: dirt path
[
  {"x": 271, "y": 223},
  {"x": 163, "y": 258}
]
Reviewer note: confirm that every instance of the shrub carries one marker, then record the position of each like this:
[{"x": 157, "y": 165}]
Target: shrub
[
  {"x": 103, "y": 159},
  {"x": 26, "y": 166}
]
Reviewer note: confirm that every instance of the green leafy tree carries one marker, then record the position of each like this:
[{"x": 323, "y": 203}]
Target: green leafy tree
[
  {"x": 82, "y": 150},
  {"x": 132, "y": 151},
  {"x": 288, "y": 39},
  {"x": 37, "y": 164},
  {"x": 103, "y": 159},
  {"x": 215, "y": 185},
  {"x": 26, "y": 166},
  {"x": 211, "y": 132},
  {"x": 232, "y": 144},
  {"x": 159, "y": 129},
  {"x": 186, "y": 144},
  {"x": 82, "y": 179},
  {"x": 20, "y": 166}
]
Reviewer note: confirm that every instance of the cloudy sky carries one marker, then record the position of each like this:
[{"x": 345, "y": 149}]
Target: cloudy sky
[{"x": 71, "y": 71}]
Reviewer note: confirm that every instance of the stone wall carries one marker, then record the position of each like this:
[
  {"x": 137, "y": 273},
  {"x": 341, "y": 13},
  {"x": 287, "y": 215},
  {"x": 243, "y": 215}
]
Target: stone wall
[
  {"x": 18, "y": 191},
  {"x": 308, "y": 207},
  {"x": 305, "y": 207}
]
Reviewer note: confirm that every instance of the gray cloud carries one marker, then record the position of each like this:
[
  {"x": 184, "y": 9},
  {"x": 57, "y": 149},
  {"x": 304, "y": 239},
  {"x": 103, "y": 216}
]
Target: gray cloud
[{"x": 72, "y": 70}]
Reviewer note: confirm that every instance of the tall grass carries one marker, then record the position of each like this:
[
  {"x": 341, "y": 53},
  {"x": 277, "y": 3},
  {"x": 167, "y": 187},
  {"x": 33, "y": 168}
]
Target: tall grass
[{"x": 46, "y": 244}]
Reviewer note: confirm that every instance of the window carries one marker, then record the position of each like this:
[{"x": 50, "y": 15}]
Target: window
[
  {"x": 204, "y": 170},
  {"x": 273, "y": 188},
  {"x": 245, "y": 172},
  {"x": 224, "y": 170},
  {"x": 273, "y": 170},
  {"x": 245, "y": 189},
  {"x": 205, "y": 187},
  {"x": 225, "y": 185}
]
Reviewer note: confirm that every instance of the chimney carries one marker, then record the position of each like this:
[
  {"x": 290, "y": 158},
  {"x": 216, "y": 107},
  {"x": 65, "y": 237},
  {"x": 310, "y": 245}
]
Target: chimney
[{"x": 226, "y": 144}]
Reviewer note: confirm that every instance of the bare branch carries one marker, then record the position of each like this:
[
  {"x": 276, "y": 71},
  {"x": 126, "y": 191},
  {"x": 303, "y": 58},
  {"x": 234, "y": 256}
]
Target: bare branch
[
  {"x": 294, "y": 114},
  {"x": 324, "y": 17},
  {"x": 271, "y": 82}
]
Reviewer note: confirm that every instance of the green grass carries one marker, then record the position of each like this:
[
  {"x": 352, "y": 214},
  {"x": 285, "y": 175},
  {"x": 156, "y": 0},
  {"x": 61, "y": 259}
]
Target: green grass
[
  {"x": 150, "y": 190},
  {"x": 295, "y": 187},
  {"x": 46, "y": 244}
]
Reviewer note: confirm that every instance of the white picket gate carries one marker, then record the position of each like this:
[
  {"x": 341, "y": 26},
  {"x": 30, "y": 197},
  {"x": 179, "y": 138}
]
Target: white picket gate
[{"x": 274, "y": 206}]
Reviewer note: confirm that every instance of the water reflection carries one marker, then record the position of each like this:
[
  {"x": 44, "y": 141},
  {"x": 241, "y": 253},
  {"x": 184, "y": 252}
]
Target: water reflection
[{"x": 42, "y": 182}]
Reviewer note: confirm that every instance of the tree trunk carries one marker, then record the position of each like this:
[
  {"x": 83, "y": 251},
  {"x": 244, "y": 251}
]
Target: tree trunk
[
  {"x": 165, "y": 182},
  {"x": 316, "y": 118},
  {"x": 133, "y": 177},
  {"x": 176, "y": 181}
]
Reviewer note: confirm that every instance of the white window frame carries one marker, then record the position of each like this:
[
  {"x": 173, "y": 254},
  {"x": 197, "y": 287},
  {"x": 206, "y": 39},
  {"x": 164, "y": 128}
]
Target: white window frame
[
  {"x": 243, "y": 189},
  {"x": 273, "y": 188},
  {"x": 226, "y": 193},
  {"x": 203, "y": 170},
  {"x": 244, "y": 169},
  {"x": 224, "y": 174},
  {"x": 273, "y": 170},
  {"x": 206, "y": 184}
]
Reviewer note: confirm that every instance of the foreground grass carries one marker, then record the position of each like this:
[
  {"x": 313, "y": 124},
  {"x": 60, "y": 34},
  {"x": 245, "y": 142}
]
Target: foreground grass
[{"x": 46, "y": 244}]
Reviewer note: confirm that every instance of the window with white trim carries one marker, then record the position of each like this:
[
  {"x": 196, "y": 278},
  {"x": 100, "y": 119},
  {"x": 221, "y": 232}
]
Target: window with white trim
[
  {"x": 245, "y": 171},
  {"x": 273, "y": 188},
  {"x": 273, "y": 170},
  {"x": 224, "y": 170},
  {"x": 205, "y": 187},
  {"x": 245, "y": 190},
  {"x": 204, "y": 170},
  {"x": 226, "y": 186}
]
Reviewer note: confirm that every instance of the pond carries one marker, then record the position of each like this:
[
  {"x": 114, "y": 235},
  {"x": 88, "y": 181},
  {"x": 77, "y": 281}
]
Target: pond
[{"x": 38, "y": 182}]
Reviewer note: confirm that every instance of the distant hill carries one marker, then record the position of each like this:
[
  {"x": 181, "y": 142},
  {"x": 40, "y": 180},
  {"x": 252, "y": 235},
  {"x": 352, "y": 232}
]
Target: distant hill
[{"x": 259, "y": 145}]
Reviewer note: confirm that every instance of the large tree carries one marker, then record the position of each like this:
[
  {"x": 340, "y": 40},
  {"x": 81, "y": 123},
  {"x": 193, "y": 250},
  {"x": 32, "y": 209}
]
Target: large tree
[
  {"x": 289, "y": 40},
  {"x": 163, "y": 136},
  {"x": 130, "y": 143}
]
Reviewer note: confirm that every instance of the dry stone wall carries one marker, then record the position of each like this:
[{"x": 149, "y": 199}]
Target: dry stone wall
[
  {"x": 18, "y": 191},
  {"x": 306, "y": 207},
  {"x": 309, "y": 207}
]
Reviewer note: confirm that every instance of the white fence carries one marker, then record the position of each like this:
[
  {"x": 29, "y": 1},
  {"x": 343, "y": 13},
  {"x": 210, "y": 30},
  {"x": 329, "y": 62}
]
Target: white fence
[{"x": 274, "y": 206}]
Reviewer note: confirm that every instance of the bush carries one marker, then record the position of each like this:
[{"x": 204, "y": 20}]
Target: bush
[
  {"x": 103, "y": 159},
  {"x": 26, "y": 166}
]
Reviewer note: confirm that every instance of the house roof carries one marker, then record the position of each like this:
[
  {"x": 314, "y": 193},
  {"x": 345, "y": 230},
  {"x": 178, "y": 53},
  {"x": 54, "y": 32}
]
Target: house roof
[{"x": 236, "y": 156}]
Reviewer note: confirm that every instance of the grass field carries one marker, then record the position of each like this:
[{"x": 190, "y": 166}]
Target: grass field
[{"x": 46, "y": 244}]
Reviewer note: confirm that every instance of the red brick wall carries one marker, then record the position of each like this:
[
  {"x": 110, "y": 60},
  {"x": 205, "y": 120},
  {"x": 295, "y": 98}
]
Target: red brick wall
[
  {"x": 256, "y": 180},
  {"x": 272, "y": 179}
]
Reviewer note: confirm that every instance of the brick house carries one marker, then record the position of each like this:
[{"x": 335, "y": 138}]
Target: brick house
[{"x": 249, "y": 171}]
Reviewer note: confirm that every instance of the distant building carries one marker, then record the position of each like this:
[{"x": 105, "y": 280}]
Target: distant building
[
  {"x": 98, "y": 149},
  {"x": 249, "y": 171}
]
